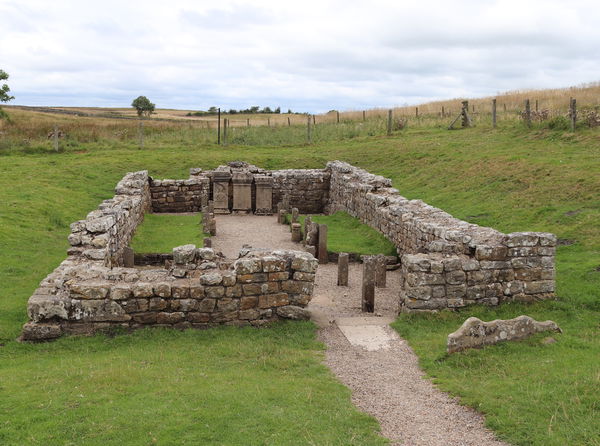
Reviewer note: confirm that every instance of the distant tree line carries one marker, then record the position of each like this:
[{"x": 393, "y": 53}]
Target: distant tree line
[{"x": 249, "y": 111}]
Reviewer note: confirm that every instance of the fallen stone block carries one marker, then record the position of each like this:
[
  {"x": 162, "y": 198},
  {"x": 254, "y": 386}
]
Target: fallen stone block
[{"x": 474, "y": 333}]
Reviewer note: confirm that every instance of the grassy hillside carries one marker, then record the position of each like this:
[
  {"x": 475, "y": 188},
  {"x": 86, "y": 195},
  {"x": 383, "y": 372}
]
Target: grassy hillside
[{"x": 511, "y": 178}]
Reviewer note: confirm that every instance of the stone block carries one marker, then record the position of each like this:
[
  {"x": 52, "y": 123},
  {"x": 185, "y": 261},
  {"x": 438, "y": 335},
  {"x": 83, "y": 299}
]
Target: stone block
[{"x": 273, "y": 300}]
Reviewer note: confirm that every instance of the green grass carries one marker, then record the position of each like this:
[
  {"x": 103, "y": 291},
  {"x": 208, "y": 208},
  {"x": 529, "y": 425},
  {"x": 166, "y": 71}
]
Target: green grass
[
  {"x": 347, "y": 234},
  {"x": 160, "y": 233},
  {"x": 223, "y": 386},
  {"x": 511, "y": 178}
]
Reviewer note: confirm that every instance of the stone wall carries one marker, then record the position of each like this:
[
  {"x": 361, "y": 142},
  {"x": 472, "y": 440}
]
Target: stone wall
[
  {"x": 106, "y": 231},
  {"x": 201, "y": 290},
  {"x": 446, "y": 262},
  {"x": 180, "y": 195},
  {"x": 305, "y": 189}
]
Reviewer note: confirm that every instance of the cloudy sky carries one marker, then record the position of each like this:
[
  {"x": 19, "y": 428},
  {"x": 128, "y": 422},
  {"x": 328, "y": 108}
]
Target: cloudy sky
[{"x": 310, "y": 56}]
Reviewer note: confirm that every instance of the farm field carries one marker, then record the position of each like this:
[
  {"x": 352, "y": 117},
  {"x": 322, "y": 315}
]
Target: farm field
[{"x": 269, "y": 385}]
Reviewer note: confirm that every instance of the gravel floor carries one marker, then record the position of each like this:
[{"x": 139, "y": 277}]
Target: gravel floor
[{"x": 387, "y": 384}]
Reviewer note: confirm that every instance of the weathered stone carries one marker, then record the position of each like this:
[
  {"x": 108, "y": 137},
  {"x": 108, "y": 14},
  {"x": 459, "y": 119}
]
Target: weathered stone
[
  {"x": 248, "y": 302},
  {"x": 40, "y": 332},
  {"x": 162, "y": 289},
  {"x": 45, "y": 307},
  {"x": 293, "y": 312},
  {"x": 304, "y": 262},
  {"x": 142, "y": 289},
  {"x": 214, "y": 291},
  {"x": 247, "y": 266},
  {"x": 98, "y": 311},
  {"x": 121, "y": 291},
  {"x": 211, "y": 278},
  {"x": 273, "y": 300},
  {"x": 342, "y": 269},
  {"x": 475, "y": 333},
  {"x": 184, "y": 254}
]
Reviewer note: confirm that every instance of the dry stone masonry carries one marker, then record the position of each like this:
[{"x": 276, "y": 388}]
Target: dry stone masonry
[{"x": 445, "y": 262}]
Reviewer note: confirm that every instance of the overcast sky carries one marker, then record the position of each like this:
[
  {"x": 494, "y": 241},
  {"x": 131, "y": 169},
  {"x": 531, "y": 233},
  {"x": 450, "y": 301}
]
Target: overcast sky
[{"x": 310, "y": 56}]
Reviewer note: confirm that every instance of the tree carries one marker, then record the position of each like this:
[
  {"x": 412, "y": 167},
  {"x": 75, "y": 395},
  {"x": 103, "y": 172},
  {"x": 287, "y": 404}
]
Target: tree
[
  {"x": 143, "y": 106},
  {"x": 4, "y": 96}
]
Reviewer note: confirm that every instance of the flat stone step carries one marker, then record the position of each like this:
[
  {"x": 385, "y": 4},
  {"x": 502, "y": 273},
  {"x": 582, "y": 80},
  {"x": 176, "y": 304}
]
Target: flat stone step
[{"x": 370, "y": 333}]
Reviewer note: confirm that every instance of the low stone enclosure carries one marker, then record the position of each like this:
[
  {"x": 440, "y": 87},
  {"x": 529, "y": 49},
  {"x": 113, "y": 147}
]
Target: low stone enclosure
[{"x": 445, "y": 262}]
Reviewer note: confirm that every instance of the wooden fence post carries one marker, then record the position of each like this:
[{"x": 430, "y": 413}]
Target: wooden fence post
[
  {"x": 248, "y": 122},
  {"x": 493, "y": 113},
  {"x": 536, "y": 105},
  {"x": 219, "y": 126},
  {"x": 527, "y": 113},
  {"x": 268, "y": 122},
  {"x": 289, "y": 122},
  {"x": 55, "y": 137},
  {"x": 443, "y": 114},
  {"x": 389, "y": 123},
  {"x": 225, "y": 123},
  {"x": 140, "y": 134},
  {"x": 504, "y": 108},
  {"x": 364, "y": 115},
  {"x": 337, "y": 114},
  {"x": 416, "y": 112},
  {"x": 308, "y": 130},
  {"x": 573, "y": 113}
]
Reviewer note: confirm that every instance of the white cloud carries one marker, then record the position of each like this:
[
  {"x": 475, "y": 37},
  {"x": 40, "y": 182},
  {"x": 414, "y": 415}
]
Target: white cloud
[{"x": 308, "y": 56}]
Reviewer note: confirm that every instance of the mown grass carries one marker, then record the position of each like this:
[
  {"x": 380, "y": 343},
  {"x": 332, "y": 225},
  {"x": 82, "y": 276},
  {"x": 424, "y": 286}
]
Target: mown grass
[
  {"x": 510, "y": 178},
  {"x": 347, "y": 234},
  {"x": 160, "y": 233},
  {"x": 215, "y": 387}
]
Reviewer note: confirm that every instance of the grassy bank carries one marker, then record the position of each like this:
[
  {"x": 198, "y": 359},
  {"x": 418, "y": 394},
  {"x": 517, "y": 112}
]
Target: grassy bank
[{"x": 511, "y": 179}]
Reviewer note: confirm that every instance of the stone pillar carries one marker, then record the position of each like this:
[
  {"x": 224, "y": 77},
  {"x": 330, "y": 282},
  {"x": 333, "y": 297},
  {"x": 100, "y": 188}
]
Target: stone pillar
[
  {"x": 323, "y": 257},
  {"x": 343, "y": 269},
  {"x": 307, "y": 227},
  {"x": 282, "y": 214},
  {"x": 221, "y": 180},
  {"x": 295, "y": 215},
  {"x": 207, "y": 242},
  {"x": 242, "y": 192},
  {"x": 380, "y": 271},
  {"x": 264, "y": 194},
  {"x": 296, "y": 232},
  {"x": 368, "y": 285},
  {"x": 312, "y": 250}
]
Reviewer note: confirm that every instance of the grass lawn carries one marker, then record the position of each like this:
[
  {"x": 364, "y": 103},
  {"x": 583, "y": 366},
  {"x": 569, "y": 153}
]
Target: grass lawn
[
  {"x": 160, "y": 233},
  {"x": 347, "y": 234},
  {"x": 509, "y": 178},
  {"x": 224, "y": 386}
]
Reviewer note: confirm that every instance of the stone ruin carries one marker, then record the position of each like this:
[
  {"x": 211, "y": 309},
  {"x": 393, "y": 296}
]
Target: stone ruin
[{"x": 445, "y": 262}]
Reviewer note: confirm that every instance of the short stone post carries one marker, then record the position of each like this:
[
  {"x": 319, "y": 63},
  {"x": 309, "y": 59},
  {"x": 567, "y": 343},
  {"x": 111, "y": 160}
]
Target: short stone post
[
  {"x": 380, "y": 271},
  {"x": 312, "y": 250},
  {"x": 296, "y": 232},
  {"x": 212, "y": 227},
  {"x": 211, "y": 207},
  {"x": 295, "y": 215},
  {"x": 368, "y": 285},
  {"x": 282, "y": 215},
  {"x": 323, "y": 256},
  {"x": 307, "y": 227},
  {"x": 343, "y": 269},
  {"x": 207, "y": 242}
]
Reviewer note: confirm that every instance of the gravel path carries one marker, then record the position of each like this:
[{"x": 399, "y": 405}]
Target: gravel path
[{"x": 386, "y": 383}]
